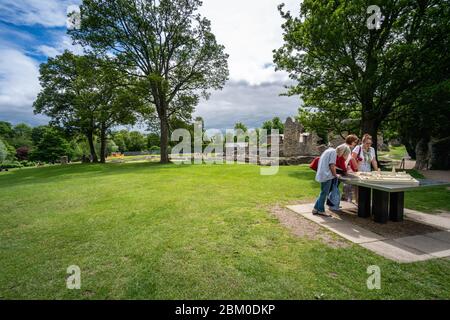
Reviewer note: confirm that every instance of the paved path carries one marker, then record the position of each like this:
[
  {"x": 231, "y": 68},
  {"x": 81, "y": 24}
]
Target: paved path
[
  {"x": 402, "y": 249},
  {"x": 438, "y": 175}
]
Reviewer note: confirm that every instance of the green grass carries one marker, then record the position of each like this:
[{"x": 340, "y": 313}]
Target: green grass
[
  {"x": 150, "y": 231},
  {"x": 394, "y": 153}
]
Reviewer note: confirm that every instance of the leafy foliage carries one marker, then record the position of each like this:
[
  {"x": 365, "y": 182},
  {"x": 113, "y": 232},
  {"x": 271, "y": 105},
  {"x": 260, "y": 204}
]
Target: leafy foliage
[
  {"x": 51, "y": 147},
  {"x": 85, "y": 94},
  {"x": 346, "y": 72},
  {"x": 165, "y": 44},
  {"x": 275, "y": 123},
  {"x": 3, "y": 151}
]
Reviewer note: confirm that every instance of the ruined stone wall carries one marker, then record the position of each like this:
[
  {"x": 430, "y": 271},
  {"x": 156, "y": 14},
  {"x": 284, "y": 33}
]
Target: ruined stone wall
[
  {"x": 297, "y": 142},
  {"x": 291, "y": 143}
]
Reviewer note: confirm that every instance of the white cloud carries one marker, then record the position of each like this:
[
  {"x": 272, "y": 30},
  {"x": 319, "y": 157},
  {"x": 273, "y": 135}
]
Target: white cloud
[
  {"x": 19, "y": 85},
  {"x": 48, "y": 13},
  {"x": 48, "y": 51},
  {"x": 250, "y": 104},
  {"x": 64, "y": 42},
  {"x": 250, "y": 31}
]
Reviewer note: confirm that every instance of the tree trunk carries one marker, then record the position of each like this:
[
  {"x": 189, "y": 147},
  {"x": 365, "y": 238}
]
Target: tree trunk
[
  {"x": 410, "y": 148},
  {"x": 164, "y": 138},
  {"x": 423, "y": 154},
  {"x": 90, "y": 138},
  {"x": 103, "y": 142},
  {"x": 440, "y": 154}
]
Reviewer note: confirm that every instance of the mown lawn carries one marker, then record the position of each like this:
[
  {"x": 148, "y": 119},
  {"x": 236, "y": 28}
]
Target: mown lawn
[
  {"x": 151, "y": 231},
  {"x": 394, "y": 153}
]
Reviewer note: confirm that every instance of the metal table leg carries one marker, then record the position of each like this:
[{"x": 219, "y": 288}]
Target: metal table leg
[
  {"x": 380, "y": 206},
  {"x": 364, "y": 196},
  {"x": 396, "y": 205}
]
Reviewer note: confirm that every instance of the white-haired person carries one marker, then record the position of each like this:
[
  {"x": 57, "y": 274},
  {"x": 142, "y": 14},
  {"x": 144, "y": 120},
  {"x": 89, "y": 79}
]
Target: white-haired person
[{"x": 326, "y": 173}]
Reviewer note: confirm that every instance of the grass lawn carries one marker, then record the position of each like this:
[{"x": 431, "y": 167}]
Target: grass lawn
[
  {"x": 151, "y": 231},
  {"x": 394, "y": 153}
]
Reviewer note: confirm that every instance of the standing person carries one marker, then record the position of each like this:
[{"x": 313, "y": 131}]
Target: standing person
[
  {"x": 351, "y": 164},
  {"x": 326, "y": 172},
  {"x": 352, "y": 140},
  {"x": 342, "y": 154},
  {"x": 364, "y": 154}
]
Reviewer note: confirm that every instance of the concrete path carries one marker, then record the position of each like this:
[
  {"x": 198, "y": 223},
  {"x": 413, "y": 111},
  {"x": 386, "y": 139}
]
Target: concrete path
[
  {"x": 402, "y": 249},
  {"x": 438, "y": 175}
]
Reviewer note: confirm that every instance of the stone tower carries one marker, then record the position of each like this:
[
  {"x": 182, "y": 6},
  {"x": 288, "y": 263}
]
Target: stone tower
[{"x": 292, "y": 133}]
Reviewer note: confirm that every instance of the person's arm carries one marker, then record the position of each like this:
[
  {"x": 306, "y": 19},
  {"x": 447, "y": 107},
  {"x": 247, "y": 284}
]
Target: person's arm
[
  {"x": 355, "y": 154},
  {"x": 374, "y": 159},
  {"x": 333, "y": 169},
  {"x": 353, "y": 164},
  {"x": 375, "y": 164}
]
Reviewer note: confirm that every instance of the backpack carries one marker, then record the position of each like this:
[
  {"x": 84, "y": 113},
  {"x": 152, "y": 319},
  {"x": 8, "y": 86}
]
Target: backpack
[{"x": 315, "y": 164}]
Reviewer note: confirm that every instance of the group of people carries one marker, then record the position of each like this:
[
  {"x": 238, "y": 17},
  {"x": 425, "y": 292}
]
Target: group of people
[{"x": 348, "y": 157}]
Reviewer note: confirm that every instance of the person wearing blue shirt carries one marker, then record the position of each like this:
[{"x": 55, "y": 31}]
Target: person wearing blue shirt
[{"x": 326, "y": 172}]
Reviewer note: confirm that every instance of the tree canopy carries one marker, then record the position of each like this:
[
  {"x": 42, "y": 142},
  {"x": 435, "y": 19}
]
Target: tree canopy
[
  {"x": 85, "y": 94},
  {"x": 166, "y": 44},
  {"x": 345, "y": 71}
]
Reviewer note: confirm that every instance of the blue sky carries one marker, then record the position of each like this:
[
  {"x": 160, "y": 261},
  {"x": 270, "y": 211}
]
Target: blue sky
[{"x": 33, "y": 30}]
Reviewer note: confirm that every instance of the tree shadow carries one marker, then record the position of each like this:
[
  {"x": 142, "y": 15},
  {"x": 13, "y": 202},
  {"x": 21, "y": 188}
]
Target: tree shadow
[{"x": 59, "y": 173}]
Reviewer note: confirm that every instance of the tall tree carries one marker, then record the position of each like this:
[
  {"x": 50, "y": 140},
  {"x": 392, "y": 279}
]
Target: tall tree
[
  {"x": 240, "y": 126},
  {"x": 6, "y": 130},
  {"x": 85, "y": 94},
  {"x": 3, "y": 151},
  {"x": 51, "y": 147},
  {"x": 275, "y": 123},
  {"x": 343, "y": 68},
  {"x": 166, "y": 43},
  {"x": 21, "y": 136}
]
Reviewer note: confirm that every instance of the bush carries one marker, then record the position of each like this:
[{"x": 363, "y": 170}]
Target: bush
[
  {"x": 22, "y": 153},
  {"x": 27, "y": 163},
  {"x": 8, "y": 164},
  {"x": 3, "y": 151}
]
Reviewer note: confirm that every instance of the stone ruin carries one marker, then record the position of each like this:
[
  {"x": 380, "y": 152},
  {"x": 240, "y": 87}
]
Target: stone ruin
[
  {"x": 296, "y": 145},
  {"x": 296, "y": 142}
]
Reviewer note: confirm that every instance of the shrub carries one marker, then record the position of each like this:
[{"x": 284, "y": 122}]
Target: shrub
[
  {"x": 8, "y": 164},
  {"x": 27, "y": 163},
  {"x": 3, "y": 152},
  {"x": 22, "y": 153}
]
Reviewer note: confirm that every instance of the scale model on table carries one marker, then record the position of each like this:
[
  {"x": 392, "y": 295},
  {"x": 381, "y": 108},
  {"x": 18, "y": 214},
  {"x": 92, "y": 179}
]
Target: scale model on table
[
  {"x": 386, "y": 177},
  {"x": 382, "y": 193}
]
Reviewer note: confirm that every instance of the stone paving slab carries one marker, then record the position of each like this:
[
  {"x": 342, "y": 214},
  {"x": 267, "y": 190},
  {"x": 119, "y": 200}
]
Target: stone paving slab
[
  {"x": 442, "y": 235},
  {"x": 404, "y": 249},
  {"x": 316, "y": 218},
  {"x": 354, "y": 233},
  {"x": 396, "y": 251},
  {"x": 345, "y": 229},
  {"x": 433, "y": 247},
  {"x": 435, "y": 220}
]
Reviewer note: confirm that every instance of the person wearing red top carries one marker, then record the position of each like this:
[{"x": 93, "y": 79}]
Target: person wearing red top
[
  {"x": 341, "y": 164},
  {"x": 351, "y": 140}
]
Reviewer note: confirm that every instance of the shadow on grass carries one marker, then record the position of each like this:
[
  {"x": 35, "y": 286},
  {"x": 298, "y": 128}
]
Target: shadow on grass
[{"x": 59, "y": 173}]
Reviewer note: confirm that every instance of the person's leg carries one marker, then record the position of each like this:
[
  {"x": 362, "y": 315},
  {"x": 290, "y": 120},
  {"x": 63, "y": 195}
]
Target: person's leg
[
  {"x": 334, "y": 195},
  {"x": 324, "y": 191}
]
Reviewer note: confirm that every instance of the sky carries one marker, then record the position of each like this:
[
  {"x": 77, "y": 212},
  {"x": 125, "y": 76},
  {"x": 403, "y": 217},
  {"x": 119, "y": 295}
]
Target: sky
[{"x": 31, "y": 31}]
